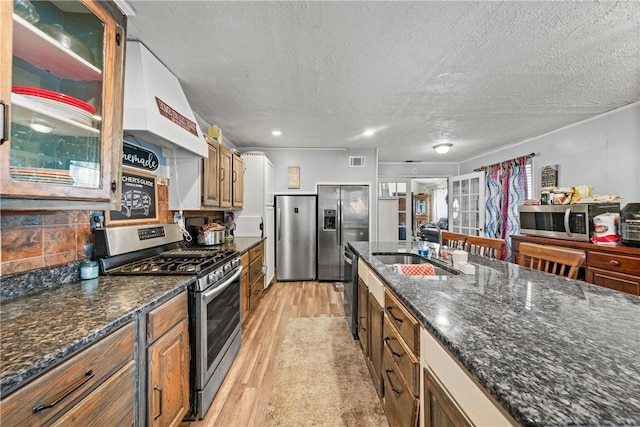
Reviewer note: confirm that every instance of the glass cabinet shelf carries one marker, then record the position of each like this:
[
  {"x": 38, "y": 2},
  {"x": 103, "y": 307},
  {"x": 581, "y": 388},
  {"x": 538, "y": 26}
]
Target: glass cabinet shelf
[
  {"x": 37, "y": 48},
  {"x": 26, "y": 113}
]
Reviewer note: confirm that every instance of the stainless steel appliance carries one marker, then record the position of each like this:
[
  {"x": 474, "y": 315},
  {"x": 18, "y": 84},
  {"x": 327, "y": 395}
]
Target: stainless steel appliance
[
  {"x": 350, "y": 301},
  {"x": 296, "y": 237},
  {"x": 343, "y": 216},
  {"x": 569, "y": 222},
  {"x": 214, "y": 298},
  {"x": 630, "y": 224}
]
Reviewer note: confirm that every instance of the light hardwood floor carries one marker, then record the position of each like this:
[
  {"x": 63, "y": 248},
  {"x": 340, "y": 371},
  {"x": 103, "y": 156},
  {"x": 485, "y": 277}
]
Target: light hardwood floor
[{"x": 243, "y": 396}]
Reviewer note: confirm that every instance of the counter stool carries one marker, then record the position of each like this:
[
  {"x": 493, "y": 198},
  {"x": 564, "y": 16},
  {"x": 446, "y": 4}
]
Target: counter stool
[
  {"x": 551, "y": 259},
  {"x": 485, "y": 246},
  {"x": 453, "y": 240}
]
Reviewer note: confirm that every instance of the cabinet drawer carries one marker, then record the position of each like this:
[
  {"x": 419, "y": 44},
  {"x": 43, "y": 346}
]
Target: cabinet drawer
[
  {"x": 165, "y": 317},
  {"x": 400, "y": 404},
  {"x": 112, "y": 403},
  {"x": 69, "y": 381},
  {"x": 403, "y": 321},
  {"x": 407, "y": 363},
  {"x": 255, "y": 270},
  {"x": 618, "y": 281},
  {"x": 256, "y": 251},
  {"x": 255, "y": 294},
  {"x": 614, "y": 262}
]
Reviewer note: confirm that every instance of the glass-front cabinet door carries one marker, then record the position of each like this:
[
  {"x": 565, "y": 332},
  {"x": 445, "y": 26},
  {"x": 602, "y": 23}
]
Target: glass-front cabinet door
[{"x": 64, "y": 88}]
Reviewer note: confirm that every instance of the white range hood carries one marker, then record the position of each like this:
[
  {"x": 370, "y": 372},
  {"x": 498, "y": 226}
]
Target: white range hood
[{"x": 155, "y": 107}]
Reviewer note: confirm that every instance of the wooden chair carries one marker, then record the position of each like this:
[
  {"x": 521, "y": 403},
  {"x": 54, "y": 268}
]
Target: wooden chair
[
  {"x": 453, "y": 240},
  {"x": 551, "y": 259},
  {"x": 485, "y": 246}
]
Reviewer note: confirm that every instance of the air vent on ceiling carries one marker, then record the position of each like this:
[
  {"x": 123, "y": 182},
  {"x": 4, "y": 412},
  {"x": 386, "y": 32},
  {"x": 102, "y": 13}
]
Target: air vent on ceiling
[{"x": 356, "y": 161}]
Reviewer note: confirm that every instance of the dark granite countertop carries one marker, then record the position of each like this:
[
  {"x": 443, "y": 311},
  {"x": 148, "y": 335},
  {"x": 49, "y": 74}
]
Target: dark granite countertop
[
  {"x": 551, "y": 350},
  {"x": 40, "y": 330},
  {"x": 44, "y": 320}
]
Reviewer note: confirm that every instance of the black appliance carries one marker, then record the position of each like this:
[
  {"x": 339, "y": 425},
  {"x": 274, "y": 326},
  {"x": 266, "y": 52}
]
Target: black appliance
[
  {"x": 350, "y": 301},
  {"x": 214, "y": 298},
  {"x": 630, "y": 224}
]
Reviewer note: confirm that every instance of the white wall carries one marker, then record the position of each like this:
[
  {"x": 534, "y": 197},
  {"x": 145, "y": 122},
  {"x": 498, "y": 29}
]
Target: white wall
[
  {"x": 326, "y": 167},
  {"x": 603, "y": 151},
  {"x": 421, "y": 169}
]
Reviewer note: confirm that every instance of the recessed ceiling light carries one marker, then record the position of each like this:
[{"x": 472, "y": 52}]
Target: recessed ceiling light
[
  {"x": 276, "y": 132},
  {"x": 442, "y": 148},
  {"x": 369, "y": 132}
]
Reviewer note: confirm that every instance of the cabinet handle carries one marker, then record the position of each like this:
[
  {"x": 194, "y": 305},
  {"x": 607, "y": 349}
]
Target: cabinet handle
[
  {"x": 395, "y": 353},
  {"x": 4, "y": 123},
  {"x": 221, "y": 174},
  {"x": 156, "y": 388},
  {"x": 390, "y": 310},
  {"x": 395, "y": 390},
  {"x": 64, "y": 393},
  {"x": 614, "y": 262},
  {"x": 234, "y": 175},
  {"x": 360, "y": 323}
]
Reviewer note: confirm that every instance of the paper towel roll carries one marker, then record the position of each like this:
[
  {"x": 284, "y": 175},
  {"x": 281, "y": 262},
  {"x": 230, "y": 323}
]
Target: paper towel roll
[{"x": 459, "y": 257}]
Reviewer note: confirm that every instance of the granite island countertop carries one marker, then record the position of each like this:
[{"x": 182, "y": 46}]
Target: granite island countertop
[
  {"x": 53, "y": 321},
  {"x": 551, "y": 351}
]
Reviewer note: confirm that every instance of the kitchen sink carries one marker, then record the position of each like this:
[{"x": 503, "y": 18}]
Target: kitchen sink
[{"x": 390, "y": 258}]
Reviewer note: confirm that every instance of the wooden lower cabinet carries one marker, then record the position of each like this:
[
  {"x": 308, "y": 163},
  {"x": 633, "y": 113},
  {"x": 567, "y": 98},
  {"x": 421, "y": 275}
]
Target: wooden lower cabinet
[
  {"x": 110, "y": 404},
  {"x": 375, "y": 343},
  {"x": 97, "y": 377},
  {"x": 256, "y": 276},
  {"x": 168, "y": 363},
  {"x": 439, "y": 409},
  {"x": 168, "y": 385},
  {"x": 363, "y": 317},
  {"x": 614, "y": 267},
  {"x": 400, "y": 405},
  {"x": 245, "y": 288}
]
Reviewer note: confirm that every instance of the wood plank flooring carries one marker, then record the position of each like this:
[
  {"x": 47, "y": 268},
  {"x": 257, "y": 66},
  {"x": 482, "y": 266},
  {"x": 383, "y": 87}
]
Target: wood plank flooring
[{"x": 243, "y": 396}]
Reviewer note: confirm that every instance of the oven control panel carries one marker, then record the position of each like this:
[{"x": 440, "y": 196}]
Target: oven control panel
[{"x": 150, "y": 233}]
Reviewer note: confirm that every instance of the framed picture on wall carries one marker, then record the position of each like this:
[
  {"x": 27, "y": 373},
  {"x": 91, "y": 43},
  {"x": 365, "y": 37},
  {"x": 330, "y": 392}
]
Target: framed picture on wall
[{"x": 138, "y": 200}]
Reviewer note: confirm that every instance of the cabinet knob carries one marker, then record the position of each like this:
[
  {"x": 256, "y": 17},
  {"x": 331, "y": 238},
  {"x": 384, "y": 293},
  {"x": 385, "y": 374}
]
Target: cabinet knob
[{"x": 614, "y": 262}]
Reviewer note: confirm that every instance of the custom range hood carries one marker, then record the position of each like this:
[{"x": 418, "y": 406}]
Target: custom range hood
[{"x": 155, "y": 107}]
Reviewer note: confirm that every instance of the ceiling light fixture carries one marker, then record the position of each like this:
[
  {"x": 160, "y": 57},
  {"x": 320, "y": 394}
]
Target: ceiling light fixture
[
  {"x": 276, "y": 132},
  {"x": 369, "y": 132},
  {"x": 442, "y": 148}
]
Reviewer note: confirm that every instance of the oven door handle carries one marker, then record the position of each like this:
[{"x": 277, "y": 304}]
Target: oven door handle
[{"x": 215, "y": 291}]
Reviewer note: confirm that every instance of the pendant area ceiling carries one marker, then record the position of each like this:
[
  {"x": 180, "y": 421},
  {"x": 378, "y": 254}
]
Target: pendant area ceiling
[{"x": 481, "y": 75}]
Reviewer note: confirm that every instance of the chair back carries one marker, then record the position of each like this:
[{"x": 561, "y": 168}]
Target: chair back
[
  {"x": 453, "y": 240},
  {"x": 551, "y": 259},
  {"x": 485, "y": 246}
]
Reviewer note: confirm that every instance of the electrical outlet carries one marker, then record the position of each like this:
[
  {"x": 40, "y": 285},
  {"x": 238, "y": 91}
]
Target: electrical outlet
[{"x": 97, "y": 220}]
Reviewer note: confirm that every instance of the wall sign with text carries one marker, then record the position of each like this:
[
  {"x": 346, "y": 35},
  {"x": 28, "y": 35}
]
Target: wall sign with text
[
  {"x": 139, "y": 157},
  {"x": 138, "y": 200}
]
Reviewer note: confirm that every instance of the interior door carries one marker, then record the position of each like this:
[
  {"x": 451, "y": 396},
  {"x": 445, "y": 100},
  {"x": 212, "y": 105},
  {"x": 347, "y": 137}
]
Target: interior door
[{"x": 467, "y": 204}]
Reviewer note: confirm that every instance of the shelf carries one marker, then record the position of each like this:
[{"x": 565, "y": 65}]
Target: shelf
[
  {"x": 41, "y": 50},
  {"x": 22, "y": 113}
]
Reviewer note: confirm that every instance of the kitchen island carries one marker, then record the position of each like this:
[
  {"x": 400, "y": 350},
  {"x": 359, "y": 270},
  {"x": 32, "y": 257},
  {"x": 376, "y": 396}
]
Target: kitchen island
[{"x": 549, "y": 350}]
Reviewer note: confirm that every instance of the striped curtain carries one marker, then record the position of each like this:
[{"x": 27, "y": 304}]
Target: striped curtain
[{"x": 506, "y": 190}]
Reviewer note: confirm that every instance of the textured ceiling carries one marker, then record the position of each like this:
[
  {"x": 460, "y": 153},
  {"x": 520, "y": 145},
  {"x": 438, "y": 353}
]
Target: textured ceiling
[{"x": 479, "y": 74}]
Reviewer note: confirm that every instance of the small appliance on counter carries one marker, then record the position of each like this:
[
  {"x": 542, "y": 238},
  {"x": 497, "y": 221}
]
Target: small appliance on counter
[{"x": 630, "y": 224}]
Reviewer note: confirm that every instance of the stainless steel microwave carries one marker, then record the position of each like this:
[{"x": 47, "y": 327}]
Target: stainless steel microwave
[{"x": 569, "y": 222}]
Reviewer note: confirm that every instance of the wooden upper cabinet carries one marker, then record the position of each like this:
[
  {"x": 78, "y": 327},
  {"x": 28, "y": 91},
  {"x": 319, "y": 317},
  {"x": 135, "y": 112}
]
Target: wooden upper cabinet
[
  {"x": 238, "y": 181},
  {"x": 64, "y": 136},
  {"x": 226, "y": 182},
  {"x": 211, "y": 175}
]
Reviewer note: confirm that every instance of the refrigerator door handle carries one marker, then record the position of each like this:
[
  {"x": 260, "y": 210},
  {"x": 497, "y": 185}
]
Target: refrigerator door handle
[
  {"x": 339, "y": 220},
  {"x": 278, "y": 226}
]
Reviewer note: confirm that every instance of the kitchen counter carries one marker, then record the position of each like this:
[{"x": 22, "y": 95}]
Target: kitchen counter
[
  {"x": 40, "y": 330},
  {"x": 550, "y": 350},
  {"x": 45, "y": 325}
]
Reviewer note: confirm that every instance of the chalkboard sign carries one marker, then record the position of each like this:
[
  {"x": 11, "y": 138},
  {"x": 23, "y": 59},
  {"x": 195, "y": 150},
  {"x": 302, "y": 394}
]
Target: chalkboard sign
[
  {"x": 138, "y": 200},
  {"x": 549, "y": 176}
]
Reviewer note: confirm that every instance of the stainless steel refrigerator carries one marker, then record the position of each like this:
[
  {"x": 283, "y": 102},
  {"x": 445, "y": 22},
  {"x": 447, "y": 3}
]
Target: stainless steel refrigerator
[
  {"x": 343, "y": 216},
  {"x": 296, "y": 238}
]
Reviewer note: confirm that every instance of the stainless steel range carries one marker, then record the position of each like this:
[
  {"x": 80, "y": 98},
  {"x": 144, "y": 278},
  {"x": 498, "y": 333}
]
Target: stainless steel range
[{"x": 214, "y": 299}]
